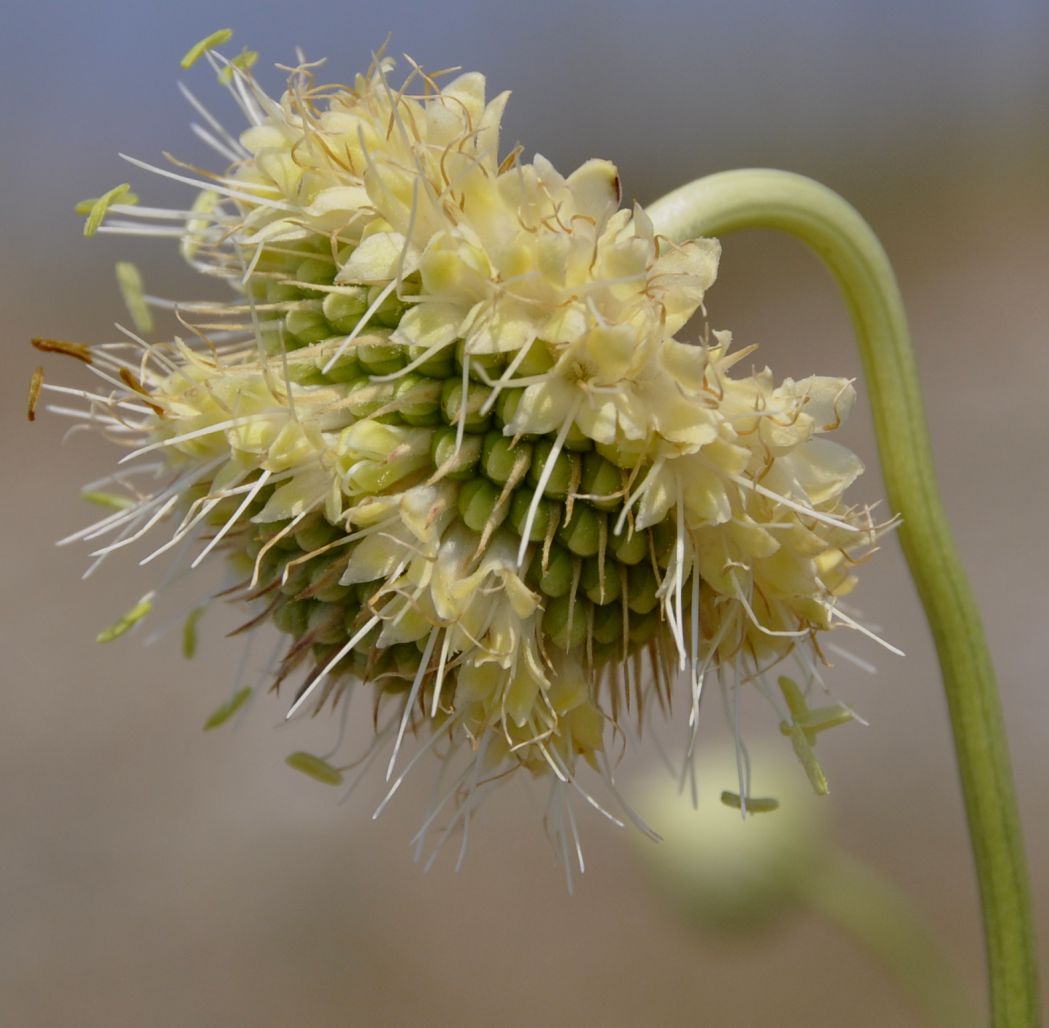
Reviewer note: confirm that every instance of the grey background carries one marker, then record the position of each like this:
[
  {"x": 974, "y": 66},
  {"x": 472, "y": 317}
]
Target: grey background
[{"x": 155, "y": 875}]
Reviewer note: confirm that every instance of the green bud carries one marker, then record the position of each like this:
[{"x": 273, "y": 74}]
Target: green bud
[
  {"x": 537, "y": 361},
  {"x": 344, "y": 309},
  {"x": 546, "y": 509},
  {"x": 279, "y": 291},
  {"x": 315, "y": 532},
  {"x": 306, "y": 375},
  {"x": 354, "y": 622},
  {"x": 406, "y": 659},
  {"x": 128, "y": 621},
  {"x": 364, "y": 397},
  {"x": 324, "y": 583},
  {"x": 560, "y": 480},
  {"x": 363, "y": 594},
  {"x": 288, "y": 545},
  {"x": 641, "y": 588},
  {"x": 297, "y": 579},
  {"x": 506, "y": 406},
  {"x": 452, "y": 400},
  {"x": 315, "y": 270},
  {"x": 576, "y": 440},
  {"x": 608, "y": 625},
  {"x": 664, "y": 538},
  {"x": 418, "y": 400},
  {"x": 439, "y": 365},
  {"x": 272, "y": 339},
  {"x": 601, "y": 588},
  {"x": 271, "y": 565},
  {"x": 325, "y": 623},
  {"x": 256, "y": 287},
  {"x": 380, "y": 358},
  {"x": 556, "y": 579},
  {"x": 390, "y": 311},
  {"x": 582, "y": 533},
  {"x": 629, "y": 547},
  {"x": 500, "y": 458},
  {"x": 477, "y": 500},
  {"x": 643, "y": 628},
  {"x": 193, "y": 54},
  {"x": 565, "y": 621},
  {"x": 463, "y": 461},
  {"x": 491, "y": 364},
  {"x": 346, "y": 369},
  {"x": 602, "y": 482},
  {"x": 305, "y": 323},
  {"x": 291, "y": 616}
]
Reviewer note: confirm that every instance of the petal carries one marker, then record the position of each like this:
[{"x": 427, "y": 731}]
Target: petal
[
  {"x": 542, "y": 407},
  {"x": 429, "y": 324},
  {"x": 498, "y": 327},
  {"x": 377, "y": 259},
  {"x": 828, "y": 401},
  {"x": 595, "y": 189},
  {"x": 659, "y": 497}
]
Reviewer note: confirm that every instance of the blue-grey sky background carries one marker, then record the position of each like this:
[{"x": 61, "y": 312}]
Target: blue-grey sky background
[{"x": 662, "y": 87}]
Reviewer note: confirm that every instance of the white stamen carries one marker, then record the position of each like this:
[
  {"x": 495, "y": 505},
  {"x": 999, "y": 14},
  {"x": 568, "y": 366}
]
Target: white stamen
[
  {"x": 361, "y": 325},
  {"x": 214, "y": 187},
  {"x": 656, "y": 468},
  {"x": 231, "y": 141},
  {"x": 311, "y": 688},
  {"x": 235, "y": 517},
  {"x": 185, "y": 437},
  {"x": 544, "y": 478},
  {"x": 834, "y": 612},
  {"x": 794, "y": 505},
  {"x": 460, "y": 427},
  {"x": 420, "y": 674},
  {"x": 425, "y": 748},
  {"x": 106, "y": 401},
  {"x": 439, "y": 681}
]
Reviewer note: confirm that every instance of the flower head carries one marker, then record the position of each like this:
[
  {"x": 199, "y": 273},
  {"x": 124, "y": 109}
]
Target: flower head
[{"x": 448, "y": 439}]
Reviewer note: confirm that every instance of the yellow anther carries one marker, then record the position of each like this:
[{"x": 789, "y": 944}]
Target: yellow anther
[
  {"x": 189, "y": 633},
  {"x": 198, "y": 50},
  {"x": 98, "y": 207},
  {"x": 754, "y": 804},
  {"x": 228, "y": 709},
  {"x": 315, "y": 767},
  {"x": 128, "y": 621},
  {"x": 129, "y": 279}
]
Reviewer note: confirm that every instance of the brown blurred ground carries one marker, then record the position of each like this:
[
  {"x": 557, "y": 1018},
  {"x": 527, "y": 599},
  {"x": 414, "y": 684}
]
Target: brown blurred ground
[{"x": 155, "y": 875}]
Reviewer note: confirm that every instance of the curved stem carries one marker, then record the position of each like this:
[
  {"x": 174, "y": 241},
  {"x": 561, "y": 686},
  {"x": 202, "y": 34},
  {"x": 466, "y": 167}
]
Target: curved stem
[
  {"x": 761, "y": 198},
  {"x": 874, "y": 912}
]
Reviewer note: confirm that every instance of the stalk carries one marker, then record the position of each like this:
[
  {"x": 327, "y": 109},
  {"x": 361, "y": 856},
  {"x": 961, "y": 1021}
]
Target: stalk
[{"x": 759, "y": 198}]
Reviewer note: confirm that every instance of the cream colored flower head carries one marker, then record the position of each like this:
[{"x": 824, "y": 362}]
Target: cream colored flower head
[{"x": 451, "y": 439}]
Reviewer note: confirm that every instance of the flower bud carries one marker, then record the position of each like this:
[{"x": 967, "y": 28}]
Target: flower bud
[{"x": 719, "y": 867}]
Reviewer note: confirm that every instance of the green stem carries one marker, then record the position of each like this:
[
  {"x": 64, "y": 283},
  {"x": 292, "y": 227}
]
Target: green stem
[
  {"x": 761, "y": 198},
  {"x": 872, "y": 910}
]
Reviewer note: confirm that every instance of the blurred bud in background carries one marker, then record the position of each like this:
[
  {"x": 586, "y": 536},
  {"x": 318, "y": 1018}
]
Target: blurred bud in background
[
  {"x": 720, "y": 867},
  {"x": 731, "y": 874}
]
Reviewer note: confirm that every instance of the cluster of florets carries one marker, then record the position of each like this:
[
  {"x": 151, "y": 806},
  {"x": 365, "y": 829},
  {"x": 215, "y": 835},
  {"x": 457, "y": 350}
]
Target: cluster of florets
[{"x": 451, "y": 445}]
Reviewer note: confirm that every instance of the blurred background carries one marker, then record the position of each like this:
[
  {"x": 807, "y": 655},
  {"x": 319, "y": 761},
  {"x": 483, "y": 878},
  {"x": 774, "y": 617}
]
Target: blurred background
[{"x": 153, "y": 874}]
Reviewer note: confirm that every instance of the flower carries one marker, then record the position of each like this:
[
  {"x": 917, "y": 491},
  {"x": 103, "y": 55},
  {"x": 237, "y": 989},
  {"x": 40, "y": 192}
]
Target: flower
[{"x": 449, "y": 441}]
